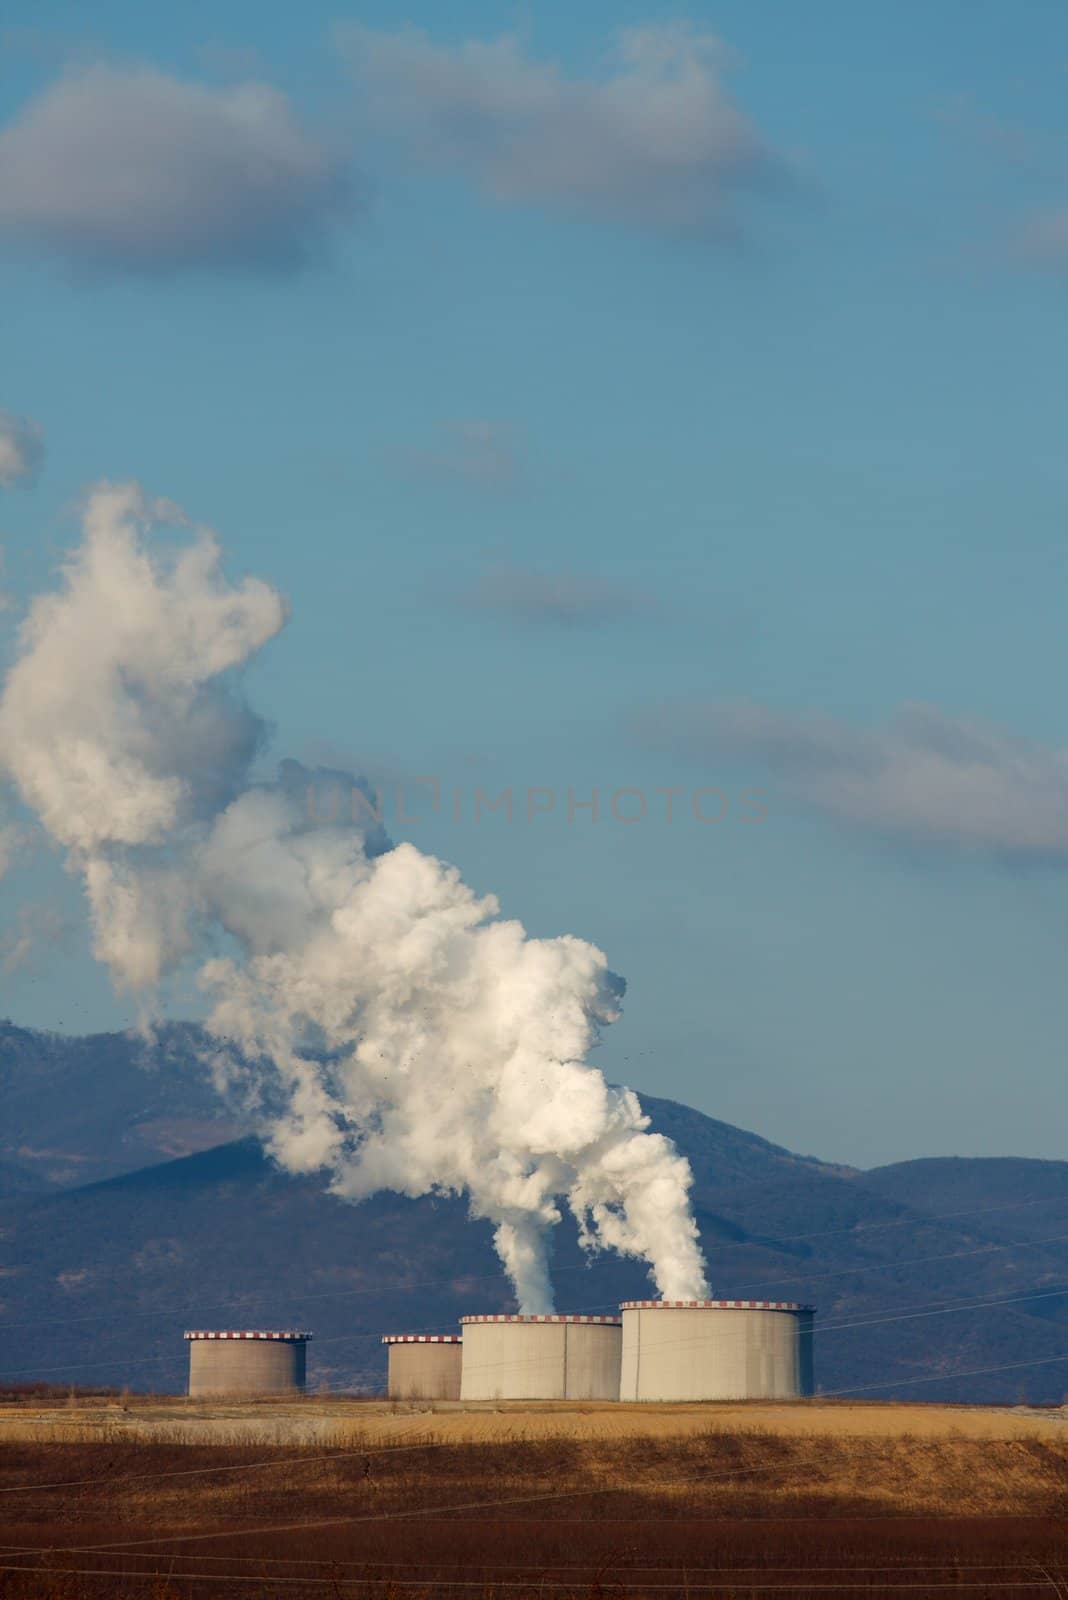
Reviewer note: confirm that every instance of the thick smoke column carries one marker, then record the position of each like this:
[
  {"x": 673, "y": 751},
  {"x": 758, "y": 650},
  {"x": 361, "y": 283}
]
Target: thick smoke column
[{"x": 381, "y": 1020}]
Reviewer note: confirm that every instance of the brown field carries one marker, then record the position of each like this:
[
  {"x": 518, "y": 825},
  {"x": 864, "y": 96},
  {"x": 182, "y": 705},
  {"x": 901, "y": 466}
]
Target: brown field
[{"x": 157, "y": 1498}]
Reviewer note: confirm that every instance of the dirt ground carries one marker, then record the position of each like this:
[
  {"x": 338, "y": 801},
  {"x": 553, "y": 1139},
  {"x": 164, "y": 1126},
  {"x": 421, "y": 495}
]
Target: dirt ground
[
  {"x": 169, "y": 1499},
  {"x": 321, "y": 1419}
]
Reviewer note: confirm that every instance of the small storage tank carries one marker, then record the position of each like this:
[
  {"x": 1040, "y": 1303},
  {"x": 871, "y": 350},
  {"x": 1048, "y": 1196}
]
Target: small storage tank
[
  {"x": 716, "y": 1350},
  {"x": 541, "y": 1358},
  {"x": 424, "y": 1366},
  {"x": 246, "y": 1363}
]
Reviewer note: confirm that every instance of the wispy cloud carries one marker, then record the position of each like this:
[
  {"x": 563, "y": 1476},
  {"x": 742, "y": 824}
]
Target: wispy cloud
[
  {"x": 1042, "y": 241},
  {"x": 924, "y": 776},
  {"x": 657, "y": 141},
  {"x": 21, "y": 449},
  {"x": 554, "y": 599},
  {"x": 473, "y": 451},
  {"x": 39, "y": 929},
  {"x": 46, "y": 46},
  {"x": 996, "y": 138},
  {"x": 1036, "y": 237},
  {"x": 131, "y": 169}
]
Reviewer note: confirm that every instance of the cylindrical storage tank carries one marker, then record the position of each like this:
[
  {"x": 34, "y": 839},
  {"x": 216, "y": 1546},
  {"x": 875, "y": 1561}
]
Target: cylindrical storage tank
[
  {"x": 716, "y": 1350},
  {"x": 247, "y": 1363},
  {"x": 424, "y": 1366},
  {"x": 541, "y": 1358}
]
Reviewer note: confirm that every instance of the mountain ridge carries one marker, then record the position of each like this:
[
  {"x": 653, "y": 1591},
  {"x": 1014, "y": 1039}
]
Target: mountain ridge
[{"x": 100, "y": 1277}]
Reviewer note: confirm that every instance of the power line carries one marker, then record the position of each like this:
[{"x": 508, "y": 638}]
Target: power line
[
  {"x": 972, "y": 1372},
  {"x": 563, "y": 1583},
  {"x": 240, "y": 1466},
  {"x": 937, "y": 1308},
  {"x": 944, "y": 1309},
  {"x": 922, "y": 1311},
  {"x": 523, "y": 1566},
  {"x": 911, "y": 1261},
  {"x": 930, "y": 1308},
  {"x": 755, "y": 1242},
  {"x": 441, "y": 1511},
  {"x": 916, "y": 1219}
]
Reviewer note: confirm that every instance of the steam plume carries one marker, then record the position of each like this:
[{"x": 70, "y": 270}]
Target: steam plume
[
  {"x": 382, "y": 1021},
  {"x": 117, "y": 722}
]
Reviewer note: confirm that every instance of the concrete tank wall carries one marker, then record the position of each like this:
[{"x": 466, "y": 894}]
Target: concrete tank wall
[
  {"x": 541, "y": 1358},
  {"x": 716, "y": 1350},
  {"x": 424, "y": 1366},
  {"x": 806, "y": 1332},
  {"x": 247, "y": 1363}
]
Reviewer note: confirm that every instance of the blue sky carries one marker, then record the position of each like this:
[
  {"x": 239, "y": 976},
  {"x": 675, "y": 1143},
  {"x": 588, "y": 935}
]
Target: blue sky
[{"x": 594, "y": 470}]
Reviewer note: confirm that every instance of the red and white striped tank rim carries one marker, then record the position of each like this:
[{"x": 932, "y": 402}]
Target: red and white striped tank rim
[
  {"x": 422, "y": 1338},
  {"x": 713, "y": 1305},
  {"x": 293, "y": 1335},
  {"x": 609, "y": 1322}
]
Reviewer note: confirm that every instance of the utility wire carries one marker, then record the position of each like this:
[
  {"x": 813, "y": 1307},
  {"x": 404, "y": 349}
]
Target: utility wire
[
  {"x": 240, "y": 1466},
  {"x": 971, "y": 1372},
  {"x": 756, "y": 1242},
  {"x": 421, "y": 1512},
  {"x": 473, "y": 1583},
  {"x": 527, "y": 1566},
  {"x": 931, "y": 1308}
]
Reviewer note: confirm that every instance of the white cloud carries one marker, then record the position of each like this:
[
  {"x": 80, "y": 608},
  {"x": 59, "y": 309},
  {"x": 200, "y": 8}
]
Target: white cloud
[
  {"x": 924, "y": 776},
  {"x": 658, "y": 142},
  {"x": 135, "y": 170},
  {"x": 21, "y": 449}
]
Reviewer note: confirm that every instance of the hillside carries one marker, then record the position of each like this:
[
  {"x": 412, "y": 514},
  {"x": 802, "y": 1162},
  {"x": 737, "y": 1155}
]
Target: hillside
[
  {"x": 99, "y": 1280},
  {"x": 79, "y": 1109},
  {"x": 16, "y": 1179},
  {"x": 1002, "y": 1190}
]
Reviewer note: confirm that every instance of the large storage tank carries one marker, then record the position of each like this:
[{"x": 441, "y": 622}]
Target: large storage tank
[
  {"x": 541, "y": 1358},
  {"x": 716, "y": 1350},
  {"x": 424, "y": 1366},
  {"x": 247, "y": 1363}
]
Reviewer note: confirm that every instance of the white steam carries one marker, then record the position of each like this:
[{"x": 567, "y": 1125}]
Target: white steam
[
  {"x": 382, "y": 1020},
  {"x": 116, "y": 722}
]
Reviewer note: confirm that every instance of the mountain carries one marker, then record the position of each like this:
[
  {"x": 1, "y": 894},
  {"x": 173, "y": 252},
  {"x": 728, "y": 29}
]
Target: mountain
[
  {"x": 15, "y": 1178},
  {"x": 1000, "y": 1189},
  {"x": 79, "y": 1109},
  {"x": 99, "y": 1280},
  {"x": 724, "y": 1157}
]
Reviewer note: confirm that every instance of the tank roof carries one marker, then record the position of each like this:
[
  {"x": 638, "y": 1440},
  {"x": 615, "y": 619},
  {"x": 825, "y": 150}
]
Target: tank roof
[
  {"x": 422, "y": 1338},
  {"x": 612, "y": 1322},
  {"x": 713, "y": 1305},
  {"x": 291, "y": 1334}
]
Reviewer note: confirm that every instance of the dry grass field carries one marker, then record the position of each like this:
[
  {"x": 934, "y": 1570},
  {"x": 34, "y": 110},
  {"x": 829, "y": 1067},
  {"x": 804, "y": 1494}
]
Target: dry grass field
[
  {"x": 379, "y": 1502},
  {"x": 337, "y": 1419}
]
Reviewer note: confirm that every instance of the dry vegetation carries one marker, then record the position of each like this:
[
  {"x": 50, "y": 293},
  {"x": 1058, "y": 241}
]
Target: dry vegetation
[
  {"x": 55, "y": 1415},
  {"x": 724, "y": 1511}
]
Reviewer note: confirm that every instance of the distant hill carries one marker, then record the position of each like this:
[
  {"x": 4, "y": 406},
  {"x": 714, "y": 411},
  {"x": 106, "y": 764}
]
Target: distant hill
[
  {"x": 78, "y": 1109},
  {"x": 725, "y": 1158},
  {"x": 99, "y": 1280},
  {"x": 1001, "y": 1190},
  {"x": 16, "y": 1179}
]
